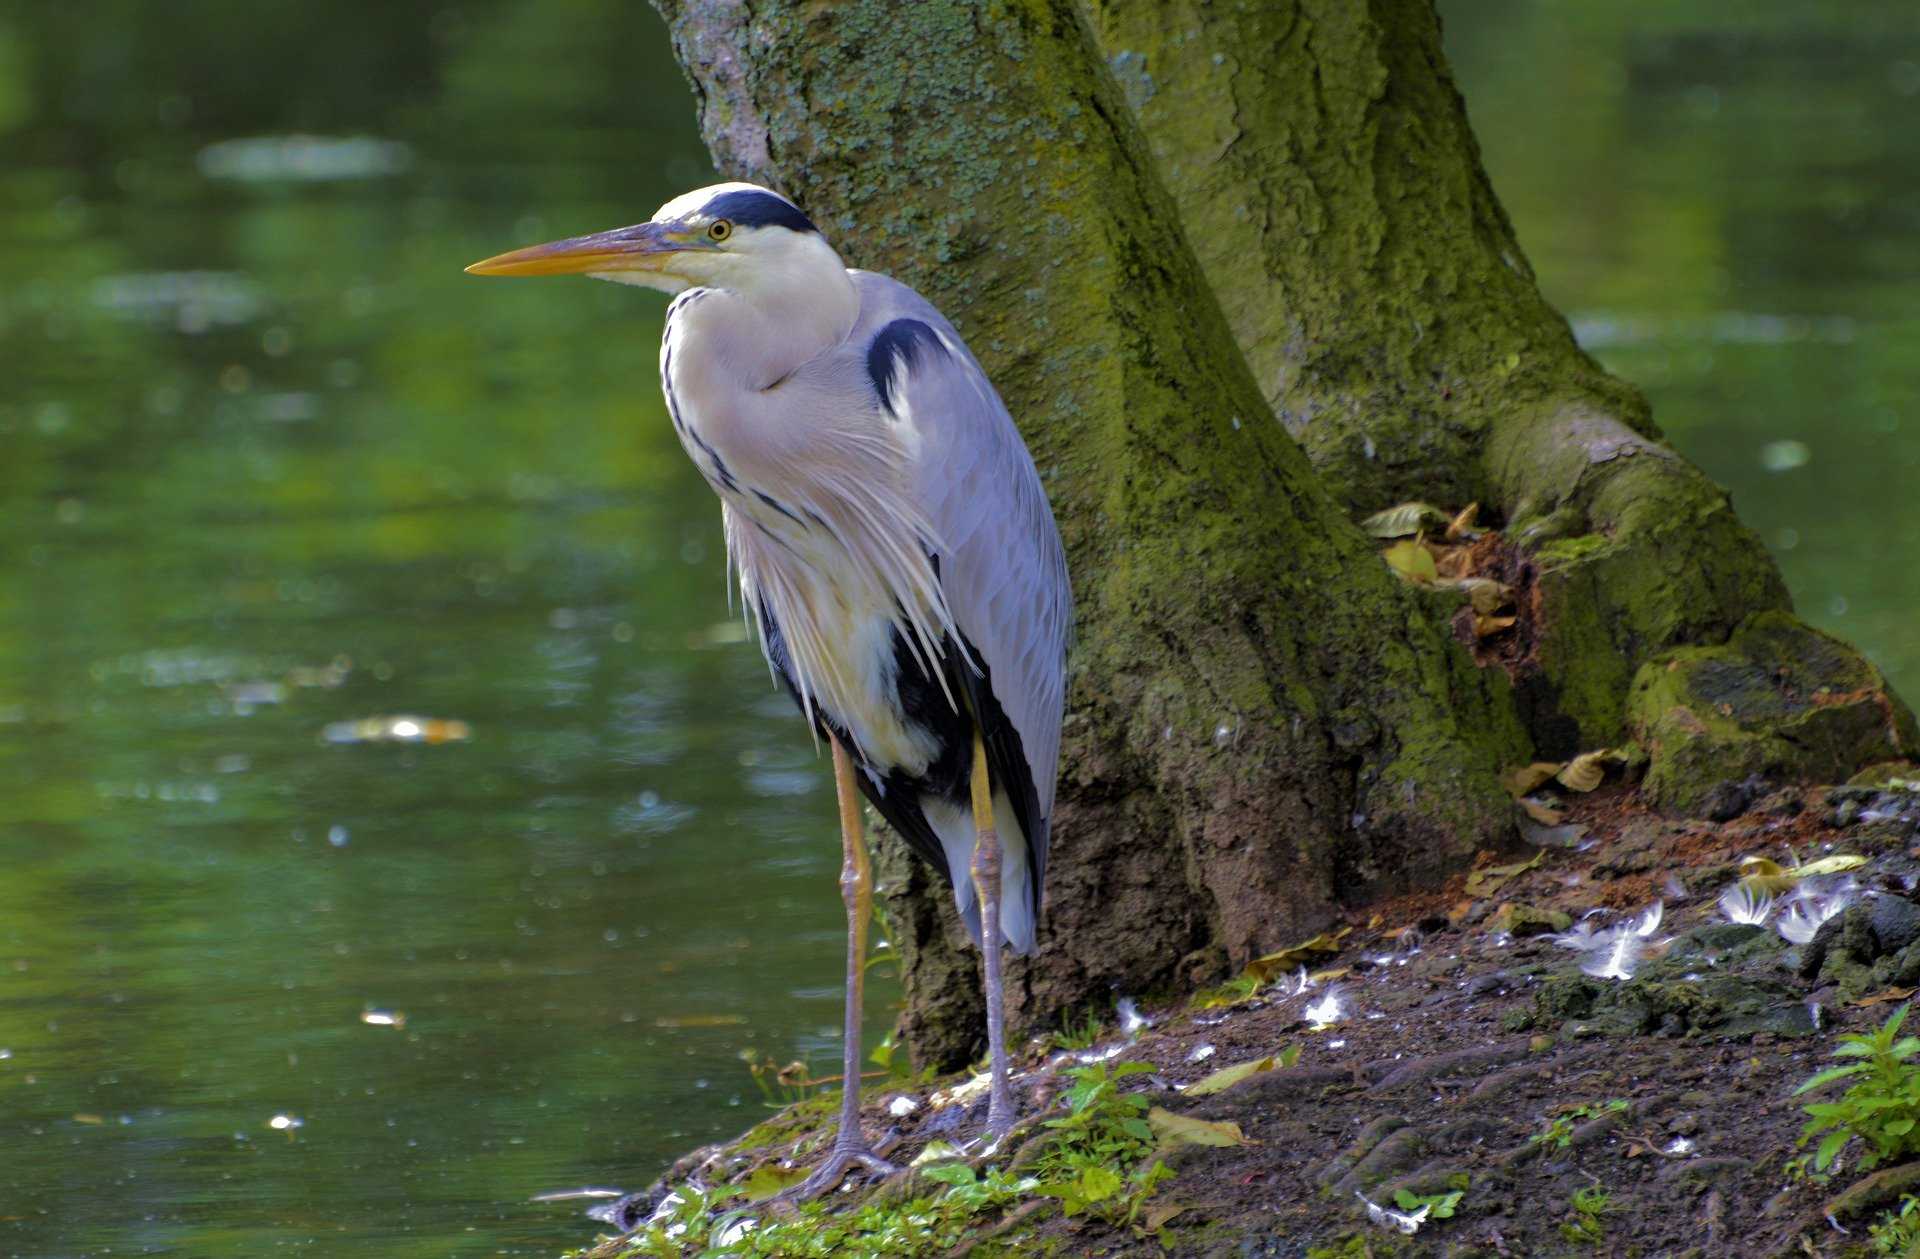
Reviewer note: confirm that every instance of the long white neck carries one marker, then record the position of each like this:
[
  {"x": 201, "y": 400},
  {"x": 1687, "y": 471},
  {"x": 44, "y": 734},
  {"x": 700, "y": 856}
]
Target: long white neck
[{"x": 786, "y": 310}]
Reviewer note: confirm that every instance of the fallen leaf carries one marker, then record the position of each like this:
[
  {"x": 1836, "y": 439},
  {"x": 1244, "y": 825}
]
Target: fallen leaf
[
  {"x": 1412, "y": 561},
  {"x": 1462, "y": 525},
  {"x": 1454, "y": 563},
  {"x": 1175, "y": 1130},
  {"x": 1487, "y": 880},
  {"x": 1526, "y": 920},
  {"x": 1587, "y": 770},
  {"x": 1545, "y": 812},
  {"x": 1762, "y": 874},
  {"x": 1226, "y": 1077},
  {"x": 1881, "y": 998},
  {"x": 1565, "y": 836},
  {"x": 1524, "y": 778},
  {"x": 1837, "y": 864},
  {"x": 1485, "y": 594},
  {"x": 1487, "y": 626},
  {"x": 1161, "y": 1213},
  {"x": 1295, "y": 956},
  {"x": 1399, "y": 521}
]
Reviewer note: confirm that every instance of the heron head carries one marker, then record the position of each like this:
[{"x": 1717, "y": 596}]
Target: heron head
[{"x": 735, "y": 235}]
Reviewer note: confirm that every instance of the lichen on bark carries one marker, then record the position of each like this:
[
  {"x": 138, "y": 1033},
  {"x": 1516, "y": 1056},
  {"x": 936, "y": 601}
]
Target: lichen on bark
[{"x": 1264, "y": 724}]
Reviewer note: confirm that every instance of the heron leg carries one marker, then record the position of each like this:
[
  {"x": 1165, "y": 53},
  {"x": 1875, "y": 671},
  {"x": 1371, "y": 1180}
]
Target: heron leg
[
  {"x": 850, "y": 1148},
  {"x": 986, "y": 885}
]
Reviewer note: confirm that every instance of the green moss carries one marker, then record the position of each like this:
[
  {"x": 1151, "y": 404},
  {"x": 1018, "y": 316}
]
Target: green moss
[
  {"x": 1567, "y": 550},
  {"x": 1778, "y": 700}
]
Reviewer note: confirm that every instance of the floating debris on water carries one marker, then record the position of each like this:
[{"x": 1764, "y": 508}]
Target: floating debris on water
[
  {"x": 1784, "y": 456},
  {"x": 303, "y": 158},
  {"x": 192, "y": 301},
  {"x": 571, "y": 1195},
  {"x": 383, "y": 1018},
  {"x": 682, "y": 1021},
  {"x": 247, "y": 696},
  {"x": 286, "y": 1123},
  {"x": 397, "y": 730}
]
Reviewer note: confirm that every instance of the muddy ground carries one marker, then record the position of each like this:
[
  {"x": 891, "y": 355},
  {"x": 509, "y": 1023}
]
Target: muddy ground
[{"x": 1469, "y": 1044}]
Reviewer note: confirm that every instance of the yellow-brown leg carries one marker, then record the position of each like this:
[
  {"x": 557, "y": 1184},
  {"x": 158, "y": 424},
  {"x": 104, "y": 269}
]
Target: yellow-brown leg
[
  {"x": 856, "y": 889},
  {"x": 986, "y": 886}
]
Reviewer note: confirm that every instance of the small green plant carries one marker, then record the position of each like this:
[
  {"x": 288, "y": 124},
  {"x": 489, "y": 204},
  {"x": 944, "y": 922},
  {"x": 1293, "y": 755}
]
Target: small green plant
[
  {"x": 1559, "y": 1133},
  {"x": 713, "y": 1223},
  {"x": 1881, "y": 1107},
  {"x": 1440, "y": 1206},
  {"x": 1100, "y": 1158},
  {"x": 1896, "y": 1234},
  {"x": 1079, "y": 1034},
  {"x": 1588, "y": 1224},
  {"x": 1233, "y": 992}
]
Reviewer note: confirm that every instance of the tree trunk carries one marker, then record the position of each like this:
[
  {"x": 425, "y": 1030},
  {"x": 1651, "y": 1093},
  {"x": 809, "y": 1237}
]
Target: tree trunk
[
  {"x": 1321, "y": 160},
  {"x": 1264, "y": 723}
]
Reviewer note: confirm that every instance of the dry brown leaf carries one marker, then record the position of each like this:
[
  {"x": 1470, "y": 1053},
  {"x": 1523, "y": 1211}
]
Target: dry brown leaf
[
  {"x": 1226, "y": 1077},
  {"x": 1487, "y": 626},
  {"x": 1452, "y": 562},
  {"x": 1881, "y": 998},
  {"x": 1292, "y": 958},
  {"x": 1587, "y": 770},
  {"x": 1487, "y": 595},
  {"x": 1487, "y": 880},
  {"x": 1175, "y": 1130},
  {"x": 1160, "y": 1214},
  {"x": 1401, "y": 520},
  {"x": 1763, "y": 875},
  {"x": 1545, "y": 812},
  {"x": 1462, "y": 526},
  {"x": 1524, "y": 778}
]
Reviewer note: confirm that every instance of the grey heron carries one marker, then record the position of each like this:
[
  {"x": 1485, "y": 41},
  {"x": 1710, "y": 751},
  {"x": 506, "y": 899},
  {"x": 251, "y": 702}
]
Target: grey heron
[{"x": 894, "y": 548}]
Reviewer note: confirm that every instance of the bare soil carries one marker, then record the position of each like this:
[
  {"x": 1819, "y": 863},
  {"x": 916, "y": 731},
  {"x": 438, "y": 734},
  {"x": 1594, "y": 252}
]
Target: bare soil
[{"x": 1465, "y": 1032}]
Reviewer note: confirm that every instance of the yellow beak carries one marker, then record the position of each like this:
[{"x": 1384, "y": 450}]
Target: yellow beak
[{"x": 643, "y": 247}]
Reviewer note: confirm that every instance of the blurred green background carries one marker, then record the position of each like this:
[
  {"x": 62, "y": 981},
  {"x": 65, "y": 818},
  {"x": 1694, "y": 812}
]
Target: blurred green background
[{"x": 269, "y": 463}]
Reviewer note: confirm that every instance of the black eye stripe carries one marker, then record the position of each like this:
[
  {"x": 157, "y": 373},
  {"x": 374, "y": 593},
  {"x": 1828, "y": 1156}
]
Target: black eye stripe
[{"x": 752, "y": 207}]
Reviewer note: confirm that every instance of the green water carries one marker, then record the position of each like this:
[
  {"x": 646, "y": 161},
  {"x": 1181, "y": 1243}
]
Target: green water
[{"x": 269, "y": 463}]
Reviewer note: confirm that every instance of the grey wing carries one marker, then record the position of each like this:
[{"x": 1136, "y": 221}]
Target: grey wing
[{"x": 1002, "y": 568}]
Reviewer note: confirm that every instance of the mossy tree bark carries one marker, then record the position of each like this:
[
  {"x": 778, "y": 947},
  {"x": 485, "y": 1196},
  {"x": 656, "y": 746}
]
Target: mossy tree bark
[
  {"x": 1264, "y": 723},
  {"x": 1324, "y": 169}
]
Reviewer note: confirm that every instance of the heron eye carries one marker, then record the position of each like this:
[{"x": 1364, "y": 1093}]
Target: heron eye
[{"x": 720, "y": 230}]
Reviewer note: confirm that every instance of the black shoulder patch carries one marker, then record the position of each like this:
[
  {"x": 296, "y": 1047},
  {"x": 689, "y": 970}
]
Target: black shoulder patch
[
  {"x": 752, "y": 208},
  {"x": 894, "y": 348}
]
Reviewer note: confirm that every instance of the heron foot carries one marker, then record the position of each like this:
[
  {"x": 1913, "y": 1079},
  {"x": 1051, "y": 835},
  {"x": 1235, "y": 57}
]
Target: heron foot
[{"x": 841, "y": 1159}]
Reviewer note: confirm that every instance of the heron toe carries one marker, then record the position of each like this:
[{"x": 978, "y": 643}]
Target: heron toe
[{"x": 833, "y": 1169}]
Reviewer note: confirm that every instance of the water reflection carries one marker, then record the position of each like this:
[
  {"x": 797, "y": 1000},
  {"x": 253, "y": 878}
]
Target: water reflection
[{"x": 369, "y": 750}]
